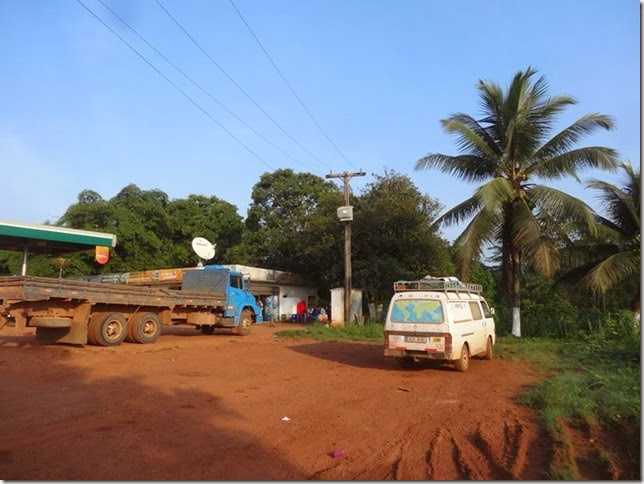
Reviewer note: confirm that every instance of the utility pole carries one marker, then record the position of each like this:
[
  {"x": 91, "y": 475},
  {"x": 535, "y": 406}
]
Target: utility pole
[{"x": 347, "y": 238}]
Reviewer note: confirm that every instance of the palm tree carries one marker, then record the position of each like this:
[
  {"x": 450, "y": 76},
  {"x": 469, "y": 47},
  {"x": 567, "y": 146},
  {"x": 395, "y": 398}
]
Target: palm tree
[
  {"x": 614, "y": 253},
  {"x": 505, "y": 150}
]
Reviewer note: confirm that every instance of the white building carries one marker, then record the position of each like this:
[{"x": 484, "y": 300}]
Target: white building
[{"x": 279, "y": 291}]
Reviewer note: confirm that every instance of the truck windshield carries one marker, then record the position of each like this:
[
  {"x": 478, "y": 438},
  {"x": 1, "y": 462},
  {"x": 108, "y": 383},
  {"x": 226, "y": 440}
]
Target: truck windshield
[{"x": 417, "y": 311}]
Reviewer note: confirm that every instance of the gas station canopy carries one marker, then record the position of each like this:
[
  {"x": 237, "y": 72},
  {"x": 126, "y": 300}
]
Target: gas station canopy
[{"x": 48, "y": 239}]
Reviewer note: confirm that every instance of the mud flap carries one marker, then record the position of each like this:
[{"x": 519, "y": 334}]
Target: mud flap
[{"x": 75, "y": 334}]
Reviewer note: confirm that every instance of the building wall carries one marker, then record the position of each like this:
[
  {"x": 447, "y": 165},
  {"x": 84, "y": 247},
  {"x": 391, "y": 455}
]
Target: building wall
[{"x": 291, "y": 295}]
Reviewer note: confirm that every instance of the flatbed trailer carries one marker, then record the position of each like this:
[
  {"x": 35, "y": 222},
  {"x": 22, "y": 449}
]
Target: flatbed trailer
[{"x": 81, "y": 312}]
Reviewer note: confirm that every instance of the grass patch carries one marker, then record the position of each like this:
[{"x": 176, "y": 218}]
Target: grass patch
[
  {"x": 369, "y": 332},
  {"x": 591, "y": 383}
]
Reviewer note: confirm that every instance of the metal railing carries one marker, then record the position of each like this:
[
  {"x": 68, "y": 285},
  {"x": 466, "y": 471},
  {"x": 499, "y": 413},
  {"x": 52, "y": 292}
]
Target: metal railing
[{"x": 437, "y": 284}]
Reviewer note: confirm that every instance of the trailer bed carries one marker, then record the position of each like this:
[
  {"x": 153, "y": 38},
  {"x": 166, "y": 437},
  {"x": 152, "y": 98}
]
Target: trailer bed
[{"x": 14, "y": 289}]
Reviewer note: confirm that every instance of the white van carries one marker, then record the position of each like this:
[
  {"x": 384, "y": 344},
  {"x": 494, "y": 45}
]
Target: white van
[{"x": 438, "y": 319}]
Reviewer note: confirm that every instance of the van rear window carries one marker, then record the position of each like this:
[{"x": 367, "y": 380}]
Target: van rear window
[{"x": 417, "y": 311}]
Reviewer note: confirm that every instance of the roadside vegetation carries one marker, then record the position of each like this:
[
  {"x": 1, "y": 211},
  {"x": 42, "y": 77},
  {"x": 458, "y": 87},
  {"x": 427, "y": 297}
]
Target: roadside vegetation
[
  {"x": 369, "y": 332},
  {"x": 593, "y": 383}
]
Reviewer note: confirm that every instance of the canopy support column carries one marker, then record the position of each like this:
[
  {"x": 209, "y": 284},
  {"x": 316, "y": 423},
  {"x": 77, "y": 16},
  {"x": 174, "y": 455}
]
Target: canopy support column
[{"x": 25, "y": 252}]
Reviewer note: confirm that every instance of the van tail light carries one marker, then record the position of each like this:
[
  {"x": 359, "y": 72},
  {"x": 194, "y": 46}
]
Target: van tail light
[{"x": 448, "y": 343}]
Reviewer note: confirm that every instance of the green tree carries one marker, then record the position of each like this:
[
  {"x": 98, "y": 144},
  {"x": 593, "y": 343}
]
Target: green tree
[
  {"x": 281, "y": 221},
  {"x": 506, "y": 150},
  {"x": 613, "y": 253},
  {"x": 202, "y": 216},
  {"x": 394, "y": 237}
]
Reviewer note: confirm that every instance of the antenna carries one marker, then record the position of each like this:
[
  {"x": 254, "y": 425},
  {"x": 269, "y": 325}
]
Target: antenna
[{"x": 203, "y": 248}]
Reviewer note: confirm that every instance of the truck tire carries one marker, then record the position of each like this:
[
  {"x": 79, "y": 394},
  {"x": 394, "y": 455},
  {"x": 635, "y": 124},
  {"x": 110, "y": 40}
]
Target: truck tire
[
  {"x": 107, "y": 329},
  {"x": 207, "y": 329},
  {"x": 245, "y": 322},
  {"x": 463, "y": 363},
  {"x": 489, "y": 354},
  {"x": 144, "y": 328}
]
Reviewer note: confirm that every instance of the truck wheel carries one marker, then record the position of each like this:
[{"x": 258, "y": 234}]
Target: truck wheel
[
  {"x": 463, "y": 363},
  {"x": 207, "y": 329},
  {"x": 245, "y": 322},
  {"x": 144, "y": 328},
  {"x": 107, "y": 329},
  {"x": 488, "y": 350}
]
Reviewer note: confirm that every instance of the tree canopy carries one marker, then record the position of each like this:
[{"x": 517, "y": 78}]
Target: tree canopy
[{"x": 506, "y": 150}]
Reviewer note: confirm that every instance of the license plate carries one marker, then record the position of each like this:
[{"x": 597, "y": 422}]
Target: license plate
[
  {"x": 437, "y": 340},
  {"x": 415, "y": 339}
]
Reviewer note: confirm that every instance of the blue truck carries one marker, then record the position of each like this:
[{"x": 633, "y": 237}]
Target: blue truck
[{"x": 109, "y": 309}]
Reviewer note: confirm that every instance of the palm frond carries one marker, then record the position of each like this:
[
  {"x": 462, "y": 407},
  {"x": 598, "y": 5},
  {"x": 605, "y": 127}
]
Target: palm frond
[
  {"x": 619, "y": 205},
  {"x": 567, "y": 164},
  {"x": 468, "y": 168},
  {"x": 537, "y": 248},
  {"x": 468, "y": 246},
  {"x": 612, "y": 270},
  {"x": 494, "y": 193},
  {"x": 562, "y": 206},
  {"x": 473, "y": 138},
  {"x": 568, "y": 137},
  {"x": 460, "y": 212}
]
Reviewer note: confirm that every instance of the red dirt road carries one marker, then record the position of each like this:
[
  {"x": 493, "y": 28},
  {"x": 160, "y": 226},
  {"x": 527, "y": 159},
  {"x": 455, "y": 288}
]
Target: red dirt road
[{"x": 197, "y": 407}]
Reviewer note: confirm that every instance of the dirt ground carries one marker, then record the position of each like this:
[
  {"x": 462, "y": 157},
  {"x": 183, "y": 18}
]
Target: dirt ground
[{"x": 215, "y": 407}]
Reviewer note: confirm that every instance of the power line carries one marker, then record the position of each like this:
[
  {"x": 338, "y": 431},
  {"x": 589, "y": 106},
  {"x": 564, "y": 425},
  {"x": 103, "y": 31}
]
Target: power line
[
  {"x": 287, "y": 83},
  {"x": 238, "y": 86},
  {"x": 201, "y": 88},
  {"x": 174, "y": 85}
]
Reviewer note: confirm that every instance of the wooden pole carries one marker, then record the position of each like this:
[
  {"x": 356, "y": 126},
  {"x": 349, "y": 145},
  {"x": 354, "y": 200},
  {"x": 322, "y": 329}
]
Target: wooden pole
[{"x": 347, "y": 243}]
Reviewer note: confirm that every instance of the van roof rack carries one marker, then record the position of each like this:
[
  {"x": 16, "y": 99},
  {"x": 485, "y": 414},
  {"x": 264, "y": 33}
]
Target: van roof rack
[{"x": 444, "y": 284}]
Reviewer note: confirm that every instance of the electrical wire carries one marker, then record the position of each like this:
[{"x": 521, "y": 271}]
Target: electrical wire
[
  {"x": 175, "y": 86},
  {"x": 288, "y": 84},
  {"x": 201, "y": 88},
  {"x": 238, "y": 86}
]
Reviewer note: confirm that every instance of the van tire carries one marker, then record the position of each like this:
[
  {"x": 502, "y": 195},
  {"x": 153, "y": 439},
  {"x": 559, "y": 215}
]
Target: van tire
[
  {"x": 489, "y": 353},
  {"x": 463, "y": 363}
]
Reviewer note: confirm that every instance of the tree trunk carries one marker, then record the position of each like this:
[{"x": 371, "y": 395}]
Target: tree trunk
[
  {"x": 506, "y": 266},
  {"x": 516, "y": 296}
]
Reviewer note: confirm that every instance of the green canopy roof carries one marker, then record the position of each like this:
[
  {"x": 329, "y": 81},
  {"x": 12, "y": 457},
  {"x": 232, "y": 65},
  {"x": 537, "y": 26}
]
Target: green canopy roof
[{"x": 49, "y": 239}]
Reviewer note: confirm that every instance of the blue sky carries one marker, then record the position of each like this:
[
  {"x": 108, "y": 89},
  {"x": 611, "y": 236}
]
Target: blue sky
[{"x": 80, "y": 110}]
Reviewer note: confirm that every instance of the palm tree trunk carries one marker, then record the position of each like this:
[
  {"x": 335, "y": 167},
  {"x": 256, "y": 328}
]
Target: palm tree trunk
[
  {"x": 516, "y": 296},
  {"x": 506, "y": 266}
]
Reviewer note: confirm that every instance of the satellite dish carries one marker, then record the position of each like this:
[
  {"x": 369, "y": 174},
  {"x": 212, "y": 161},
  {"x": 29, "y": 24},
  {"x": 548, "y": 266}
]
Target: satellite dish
[{"x": 203, "y": 248}]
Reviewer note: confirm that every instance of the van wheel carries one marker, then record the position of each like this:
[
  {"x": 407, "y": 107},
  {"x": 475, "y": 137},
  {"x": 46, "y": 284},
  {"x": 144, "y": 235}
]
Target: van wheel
[
  {"x": 488, "y": 350},
  {"x": 463, "y": 363},
  {"x": 245, "y": 322}
]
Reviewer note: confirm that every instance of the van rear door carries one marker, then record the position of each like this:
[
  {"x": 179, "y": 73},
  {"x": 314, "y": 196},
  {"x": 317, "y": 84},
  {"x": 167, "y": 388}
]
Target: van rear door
[{"x": 416, "y": 324}]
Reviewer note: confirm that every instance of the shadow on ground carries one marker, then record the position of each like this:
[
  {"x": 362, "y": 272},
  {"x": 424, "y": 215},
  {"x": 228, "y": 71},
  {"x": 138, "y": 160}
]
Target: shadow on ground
[
  {"x": 363, "y": 355},
  {"x": 113, "y": 427}
]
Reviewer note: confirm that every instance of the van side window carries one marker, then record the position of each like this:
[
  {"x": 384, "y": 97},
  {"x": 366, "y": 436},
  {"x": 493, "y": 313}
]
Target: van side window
[
  {"x": 476, "y": 310},
  {"x": 236, "y": 281},
  {"x": 486, "y": 309},
  {"x": 462, "y": 312}
]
